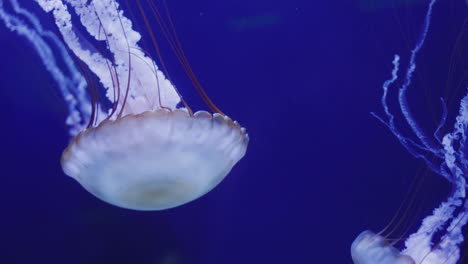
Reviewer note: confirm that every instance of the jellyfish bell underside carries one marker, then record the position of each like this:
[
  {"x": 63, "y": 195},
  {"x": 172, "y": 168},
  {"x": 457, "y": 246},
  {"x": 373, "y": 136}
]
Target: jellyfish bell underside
[
  {"x": 371, "y": 248},
  {"x": 157, "y": 159}
]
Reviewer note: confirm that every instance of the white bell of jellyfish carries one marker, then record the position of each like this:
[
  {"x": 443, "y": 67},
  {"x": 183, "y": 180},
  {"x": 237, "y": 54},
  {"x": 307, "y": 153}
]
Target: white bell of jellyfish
[
  {"x": 155, "y": 160},
  {"x": 371, "y": 248},
  {"x": 438, "y": 239},
  {"x": 145, "y": 154}
]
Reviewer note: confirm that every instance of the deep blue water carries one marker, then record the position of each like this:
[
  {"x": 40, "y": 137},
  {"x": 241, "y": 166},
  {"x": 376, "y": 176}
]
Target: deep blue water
[{"x": 302, "y": 77}]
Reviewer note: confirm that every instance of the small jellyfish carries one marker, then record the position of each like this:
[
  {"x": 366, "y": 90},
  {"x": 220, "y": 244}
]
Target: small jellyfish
[
  {"x": 148, "y": 150},
  {"x": 371, "y": 248}
]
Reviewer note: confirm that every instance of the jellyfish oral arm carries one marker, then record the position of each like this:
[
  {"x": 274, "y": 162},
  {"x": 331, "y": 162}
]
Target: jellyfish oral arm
[
  {"x": 136, "y": 76},
  {"x": 52, "y": 53}
]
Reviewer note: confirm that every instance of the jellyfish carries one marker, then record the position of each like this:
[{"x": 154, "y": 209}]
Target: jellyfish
[
  {"x": 148, "y": 150},
  {"x": 438, "y": 238}
]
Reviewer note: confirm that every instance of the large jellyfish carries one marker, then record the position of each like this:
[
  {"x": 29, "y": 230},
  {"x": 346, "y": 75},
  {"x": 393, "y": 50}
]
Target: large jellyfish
[
  {"x": 438, "y": 239},
  {"x": 148, "y": 150}
]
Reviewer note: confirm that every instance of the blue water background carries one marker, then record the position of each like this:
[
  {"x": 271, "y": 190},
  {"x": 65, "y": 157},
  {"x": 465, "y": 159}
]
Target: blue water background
[{"x": 302, "y": 77}]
